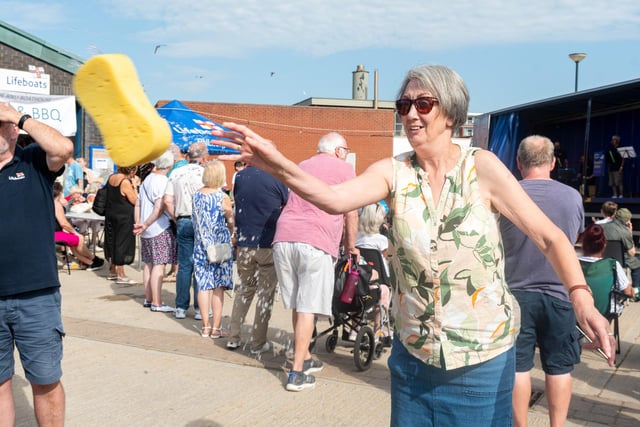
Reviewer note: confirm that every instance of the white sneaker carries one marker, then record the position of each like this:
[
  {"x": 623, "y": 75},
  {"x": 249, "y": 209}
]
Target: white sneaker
[
  {"x": 232, "y": 345},
  {"x": 181, "y": 313},
  {"x": 162, "y": 308},
  {"x": 266, "y": 347}
]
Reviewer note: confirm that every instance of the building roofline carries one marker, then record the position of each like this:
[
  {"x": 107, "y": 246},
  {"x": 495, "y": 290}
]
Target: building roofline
[
  {"x": 345, "y": 102},
  {"x": 38, "y": 48},
  {"x": 583, "y": 94}
]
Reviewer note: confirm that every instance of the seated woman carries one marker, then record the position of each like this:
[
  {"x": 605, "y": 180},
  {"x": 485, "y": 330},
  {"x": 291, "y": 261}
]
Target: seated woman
[
  {"x": 66, "y": 233},
  {"x": 370, "y": 221},
  {"x": 593, "y": 244}
]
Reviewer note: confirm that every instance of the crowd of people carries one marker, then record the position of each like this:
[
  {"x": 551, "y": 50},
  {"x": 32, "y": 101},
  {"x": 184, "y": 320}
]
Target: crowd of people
[
  {"x": 452, "y": 222},
  {"x": 456, "y": 322}
]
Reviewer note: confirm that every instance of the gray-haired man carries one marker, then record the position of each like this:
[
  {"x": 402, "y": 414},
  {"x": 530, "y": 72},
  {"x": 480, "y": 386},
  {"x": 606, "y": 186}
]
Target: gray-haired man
[{"x": 183, "y": 182}]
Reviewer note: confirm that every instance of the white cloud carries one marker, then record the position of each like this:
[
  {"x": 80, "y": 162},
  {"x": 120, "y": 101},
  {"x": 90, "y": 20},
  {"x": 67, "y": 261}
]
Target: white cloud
[{"x": 323, "y": 27}]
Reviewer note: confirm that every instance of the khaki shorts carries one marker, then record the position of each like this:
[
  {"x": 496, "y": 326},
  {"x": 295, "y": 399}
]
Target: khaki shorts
[
  {"x": 615, "y": 178},
  {"x": 306, "y": 277}
]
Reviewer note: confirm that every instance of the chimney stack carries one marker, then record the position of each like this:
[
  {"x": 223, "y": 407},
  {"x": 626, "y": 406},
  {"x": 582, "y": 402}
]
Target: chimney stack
[{"x": 360, "y": 83}]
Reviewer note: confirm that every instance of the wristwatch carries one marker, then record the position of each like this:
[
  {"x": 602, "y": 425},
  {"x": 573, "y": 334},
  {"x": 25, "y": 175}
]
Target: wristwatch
[{"x": 23, "y": 119}]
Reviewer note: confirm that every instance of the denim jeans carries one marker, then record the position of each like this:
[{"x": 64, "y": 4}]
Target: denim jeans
[
  {"x": 425, "y": 395},
  {"x": 32, "y": 322},
  {"x": 184, "y": 278}
]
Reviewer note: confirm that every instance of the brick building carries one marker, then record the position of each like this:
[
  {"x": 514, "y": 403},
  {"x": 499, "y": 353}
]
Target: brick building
[{"x": 297, "y": 129}]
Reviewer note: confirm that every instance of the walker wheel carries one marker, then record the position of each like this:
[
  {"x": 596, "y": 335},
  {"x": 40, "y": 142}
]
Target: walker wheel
[
  {"x": 378, "y": 351},
  {"x": 330, "y": 344},
  {"x": 363, "y": 348}
]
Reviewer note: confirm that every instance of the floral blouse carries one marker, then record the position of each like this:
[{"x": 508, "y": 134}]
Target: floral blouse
[{"x": 450, "y": 297}]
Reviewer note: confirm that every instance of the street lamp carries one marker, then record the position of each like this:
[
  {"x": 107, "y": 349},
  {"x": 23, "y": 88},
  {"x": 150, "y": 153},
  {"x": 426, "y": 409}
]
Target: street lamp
[{"x": 577, "y": 57}]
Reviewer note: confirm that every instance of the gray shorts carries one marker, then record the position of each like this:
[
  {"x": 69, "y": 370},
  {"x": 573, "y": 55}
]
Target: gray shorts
[
  {"x": 33, "y": 322},
  {"x": 615, "y": 178},
  {"x": 306, "y": 277}
]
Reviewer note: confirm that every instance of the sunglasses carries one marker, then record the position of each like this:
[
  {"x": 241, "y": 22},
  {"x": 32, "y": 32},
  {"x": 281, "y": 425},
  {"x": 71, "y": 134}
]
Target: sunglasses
[{"x": 424, "y": 104}]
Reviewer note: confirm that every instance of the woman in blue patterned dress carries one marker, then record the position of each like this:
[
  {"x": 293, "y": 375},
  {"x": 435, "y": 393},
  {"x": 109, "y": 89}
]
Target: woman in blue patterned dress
[{"x": 212, "y": 216}]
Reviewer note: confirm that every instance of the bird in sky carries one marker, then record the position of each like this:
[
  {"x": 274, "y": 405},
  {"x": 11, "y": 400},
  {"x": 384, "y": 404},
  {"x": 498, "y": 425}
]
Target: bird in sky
[
  {"x": 94, "y": 49},
  {"x": 158, "y": 46}
]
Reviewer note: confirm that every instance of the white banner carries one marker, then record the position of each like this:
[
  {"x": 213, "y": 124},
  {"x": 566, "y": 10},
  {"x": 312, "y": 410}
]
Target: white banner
[
  {"x": 59, "y": 112},
  {"x": 34, "y": 81}
]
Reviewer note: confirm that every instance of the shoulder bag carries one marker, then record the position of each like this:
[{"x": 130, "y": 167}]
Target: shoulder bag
[{"x": 100, "y": 201}]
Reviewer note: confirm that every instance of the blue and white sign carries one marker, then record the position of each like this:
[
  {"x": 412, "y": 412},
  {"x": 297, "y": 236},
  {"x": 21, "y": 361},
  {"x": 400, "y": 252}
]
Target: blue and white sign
[
  {"x": 188, "y": 127},
  {"x": 598, "y": 163}
]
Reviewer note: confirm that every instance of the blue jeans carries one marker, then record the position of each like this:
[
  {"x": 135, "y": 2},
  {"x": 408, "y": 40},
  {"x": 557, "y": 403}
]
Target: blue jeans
[
  {"x": 184, "y": 278},
  {"x": 425, "y": 395}
]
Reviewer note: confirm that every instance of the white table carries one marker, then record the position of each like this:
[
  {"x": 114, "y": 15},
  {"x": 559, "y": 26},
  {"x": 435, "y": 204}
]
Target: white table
[{"x": 94, "y": 221}]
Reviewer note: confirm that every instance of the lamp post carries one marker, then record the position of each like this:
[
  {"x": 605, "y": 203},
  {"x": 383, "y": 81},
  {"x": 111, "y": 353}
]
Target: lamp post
[{"x": 577, "y": 57}]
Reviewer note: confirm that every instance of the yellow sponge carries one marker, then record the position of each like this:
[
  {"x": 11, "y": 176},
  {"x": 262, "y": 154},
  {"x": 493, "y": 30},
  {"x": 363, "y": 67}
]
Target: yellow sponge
[{"x": 107, "y": 86}]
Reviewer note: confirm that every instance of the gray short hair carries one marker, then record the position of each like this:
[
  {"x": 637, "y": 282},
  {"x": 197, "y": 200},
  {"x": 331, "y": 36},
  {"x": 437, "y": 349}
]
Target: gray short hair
[
  {"x": 175, "y": 149},
  {"x": 329, "y": 142},
  {"x": 444, "y": 84},
  {"x": 371, "y": 218},
  {"x": 197, "y": 150},
  {"x": 165, "y": 161},
  {"x": 535, "y": 150}
]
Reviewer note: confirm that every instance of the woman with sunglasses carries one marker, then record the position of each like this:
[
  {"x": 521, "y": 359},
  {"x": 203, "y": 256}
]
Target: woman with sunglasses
[{"x": 452, "y": 360}]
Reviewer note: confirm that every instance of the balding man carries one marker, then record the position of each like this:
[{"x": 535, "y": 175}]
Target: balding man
[
  {"x": 541, "y": 295},
  {"x": 306, "y": 245}
]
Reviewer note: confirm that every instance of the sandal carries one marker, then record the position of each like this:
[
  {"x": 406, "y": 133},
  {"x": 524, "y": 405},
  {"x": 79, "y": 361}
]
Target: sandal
[
  {"x": 204, "y": 332},
  {"x": 169, "y": 278},
  {"x": 218, "y": 333},
  {"x": 112, "y": 276}
]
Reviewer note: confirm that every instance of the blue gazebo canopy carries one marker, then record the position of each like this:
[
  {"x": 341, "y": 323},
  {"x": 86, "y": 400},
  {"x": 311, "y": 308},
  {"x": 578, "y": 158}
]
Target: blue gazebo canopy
[{"x": 188, "y": 127}]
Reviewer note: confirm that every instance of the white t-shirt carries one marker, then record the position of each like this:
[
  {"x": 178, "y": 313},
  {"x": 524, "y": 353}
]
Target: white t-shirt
[
  {"x": 374, "y": 241},
  {"x": 183, "y": 182},
  {"x": 153, "y": 188}
]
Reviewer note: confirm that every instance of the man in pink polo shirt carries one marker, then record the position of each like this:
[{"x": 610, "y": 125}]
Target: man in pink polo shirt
[{"x": 306, "y": 245}]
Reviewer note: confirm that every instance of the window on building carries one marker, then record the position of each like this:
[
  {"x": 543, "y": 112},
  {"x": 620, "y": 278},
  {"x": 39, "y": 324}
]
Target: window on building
[{"x": 398, "y": 130}]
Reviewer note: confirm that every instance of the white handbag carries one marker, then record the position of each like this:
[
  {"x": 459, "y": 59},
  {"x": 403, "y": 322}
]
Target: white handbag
[{"x": 219, "y": 252}]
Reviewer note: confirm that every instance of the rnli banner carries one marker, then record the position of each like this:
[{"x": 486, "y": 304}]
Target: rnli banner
[{"x": 59, "y": 112}]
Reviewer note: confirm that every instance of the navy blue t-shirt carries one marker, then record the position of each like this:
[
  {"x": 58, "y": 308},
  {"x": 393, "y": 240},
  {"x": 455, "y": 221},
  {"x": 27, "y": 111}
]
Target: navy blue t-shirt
[
  {"x": 259, "y": 199},
  {"x": 27, "y": 221}
]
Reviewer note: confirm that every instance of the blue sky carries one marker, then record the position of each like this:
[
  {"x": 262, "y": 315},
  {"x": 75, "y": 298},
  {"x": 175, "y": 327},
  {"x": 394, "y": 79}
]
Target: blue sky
[{"x": 281, "y": 52}]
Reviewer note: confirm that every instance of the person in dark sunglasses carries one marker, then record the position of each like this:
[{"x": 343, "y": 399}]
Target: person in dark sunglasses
[{"x": 452, "y": 360}]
